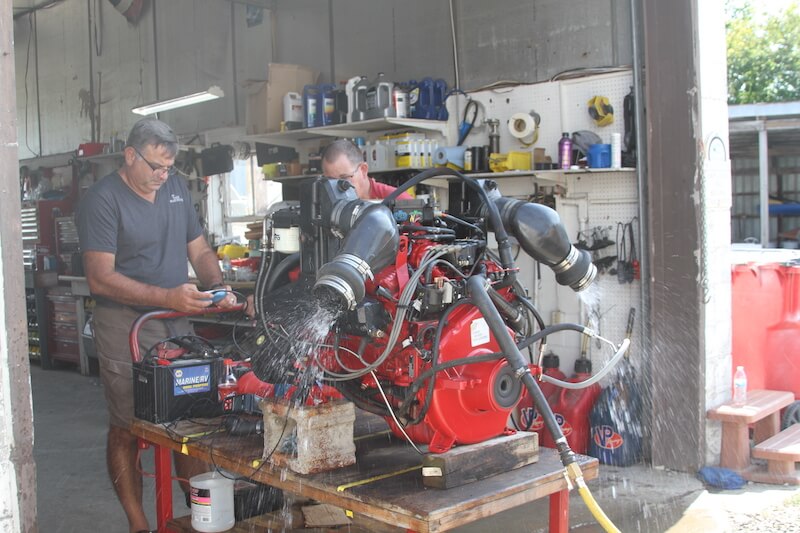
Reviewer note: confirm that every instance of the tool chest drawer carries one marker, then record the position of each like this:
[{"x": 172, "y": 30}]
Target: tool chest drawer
[{"x": 63, "y": 316}]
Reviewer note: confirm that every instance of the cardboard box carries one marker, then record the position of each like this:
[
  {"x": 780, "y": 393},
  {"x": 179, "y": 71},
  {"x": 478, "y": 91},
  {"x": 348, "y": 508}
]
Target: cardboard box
[{"x": 264, "y": 111}]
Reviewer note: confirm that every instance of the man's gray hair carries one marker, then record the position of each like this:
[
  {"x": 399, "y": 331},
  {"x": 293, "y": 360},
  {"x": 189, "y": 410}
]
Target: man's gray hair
[
  {"x": 343, "y": 147},
  {"x": 153, "y": 132}
]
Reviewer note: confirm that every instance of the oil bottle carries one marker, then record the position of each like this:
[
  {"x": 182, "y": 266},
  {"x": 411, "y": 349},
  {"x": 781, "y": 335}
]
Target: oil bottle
[
  {"x": 310, "y": 106},
  {"x": 326, "y": 104},
  {"x": 359, "y": 98},
  {"x": 379, "y": 99}
]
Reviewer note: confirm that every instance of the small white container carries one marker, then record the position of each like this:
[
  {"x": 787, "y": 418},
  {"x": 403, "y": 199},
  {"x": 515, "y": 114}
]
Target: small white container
[
  {"x": 286, "y": 240},
  {"x": 616, "y": 150},
  {"x": 293, "y": 107},
  {"x": 212, "y": 502}
]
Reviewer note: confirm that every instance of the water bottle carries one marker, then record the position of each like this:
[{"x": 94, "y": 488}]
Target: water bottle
[
  {"x": 227, "y": 385},
  {"x": 564, "y": 151},
  {"x": 739, "y": 386},
  {"x": 227, "y": 268}
]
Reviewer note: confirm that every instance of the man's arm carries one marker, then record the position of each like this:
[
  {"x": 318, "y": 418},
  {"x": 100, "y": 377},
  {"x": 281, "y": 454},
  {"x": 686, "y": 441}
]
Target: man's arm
[
  {"x": 206, "y": 267},
  {"x": 105, "y": 281},
  {"x": 205, "y": 263}
]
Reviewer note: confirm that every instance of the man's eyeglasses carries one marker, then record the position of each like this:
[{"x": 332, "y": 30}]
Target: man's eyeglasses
[
  {"x": 349, "y": 176},
  {"x": 155, "y": 168}
]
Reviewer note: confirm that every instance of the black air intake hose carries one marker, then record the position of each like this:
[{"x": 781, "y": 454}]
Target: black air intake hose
[
  {"x": 541, "y": 234},
  {"x": 369, "y": 246}
]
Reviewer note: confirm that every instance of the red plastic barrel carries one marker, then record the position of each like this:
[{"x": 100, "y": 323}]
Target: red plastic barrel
[
  {"x": 756, "y": 305},
  {"x": 572, "y": 413},
  {"x": 782, "y": 343}
]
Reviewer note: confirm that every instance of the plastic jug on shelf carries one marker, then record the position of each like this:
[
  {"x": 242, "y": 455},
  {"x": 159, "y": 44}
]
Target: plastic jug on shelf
[
  {"x": 379, "y": 99},
  {"x": 310, "y": 106}
]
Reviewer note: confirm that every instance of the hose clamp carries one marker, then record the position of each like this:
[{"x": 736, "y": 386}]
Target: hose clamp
[
  {"x": 361, "y": 266},
  {"x": 340, "y": 287},
  {"x": 336, "y": 214},
  {"x": 521, "y": 371},
  {"x": 568, "y": 262},
  {"x": 356, "y": 212},
  {"x": 587, "y": 278}
]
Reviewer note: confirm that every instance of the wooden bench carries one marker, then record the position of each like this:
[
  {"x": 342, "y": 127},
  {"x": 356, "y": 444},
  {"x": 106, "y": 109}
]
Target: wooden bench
[
  {"x": 781, "y": 451},
  {"x": 763, "y": 411}
]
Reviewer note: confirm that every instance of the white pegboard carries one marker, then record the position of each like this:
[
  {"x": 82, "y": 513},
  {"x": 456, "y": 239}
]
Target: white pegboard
[
  {"x": 592, "y": 199},
  {"x": 612, "y": 200},
  {"x": 562, "y": 106},
  {"x": 575, "y": 95}
]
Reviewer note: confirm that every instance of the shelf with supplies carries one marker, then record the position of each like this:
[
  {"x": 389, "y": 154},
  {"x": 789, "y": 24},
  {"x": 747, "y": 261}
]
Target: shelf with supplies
[
  {"x": 554, "y": 176},
  {"x": 550, "y": 176},
  {"x": 351, "y": 129},
  {"x": 372, "y": 172}
]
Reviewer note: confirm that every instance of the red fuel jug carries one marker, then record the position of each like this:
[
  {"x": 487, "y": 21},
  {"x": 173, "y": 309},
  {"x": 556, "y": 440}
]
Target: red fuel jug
[
  {"x": 573, "y": 409},
  {"x": 526, "y": 416}
]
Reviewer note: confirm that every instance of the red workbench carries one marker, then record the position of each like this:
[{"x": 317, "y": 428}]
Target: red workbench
[{"x": 385, "y": 484}]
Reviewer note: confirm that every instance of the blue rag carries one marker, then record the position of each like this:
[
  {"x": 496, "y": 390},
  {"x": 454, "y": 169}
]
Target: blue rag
[{"x": 721, "y": 478}]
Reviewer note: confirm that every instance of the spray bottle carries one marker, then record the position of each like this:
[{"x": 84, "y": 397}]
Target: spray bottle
[{"x": 565, "y": 151}]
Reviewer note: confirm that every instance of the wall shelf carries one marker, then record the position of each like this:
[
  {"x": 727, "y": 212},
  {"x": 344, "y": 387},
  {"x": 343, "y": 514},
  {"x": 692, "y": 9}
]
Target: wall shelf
[{"x": 351, "y": 129}]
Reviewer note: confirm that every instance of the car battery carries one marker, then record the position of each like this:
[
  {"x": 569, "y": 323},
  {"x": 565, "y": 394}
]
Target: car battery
[{"x": 167, "y": 390}]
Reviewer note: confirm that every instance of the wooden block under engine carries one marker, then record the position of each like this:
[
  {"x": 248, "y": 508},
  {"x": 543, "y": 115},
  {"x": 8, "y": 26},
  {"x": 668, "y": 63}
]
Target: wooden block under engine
[{"x": 465, "y": 464}]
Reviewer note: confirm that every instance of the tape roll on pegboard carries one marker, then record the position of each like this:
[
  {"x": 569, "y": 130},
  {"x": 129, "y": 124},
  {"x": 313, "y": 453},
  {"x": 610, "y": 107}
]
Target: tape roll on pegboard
[
  {"x": 524, "y": 126},
  {"x": 450, "y": 155}
]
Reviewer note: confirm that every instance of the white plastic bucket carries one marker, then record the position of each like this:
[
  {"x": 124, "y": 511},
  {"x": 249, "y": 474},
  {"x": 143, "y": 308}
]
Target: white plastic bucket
[{"x": 212, "y": 502}]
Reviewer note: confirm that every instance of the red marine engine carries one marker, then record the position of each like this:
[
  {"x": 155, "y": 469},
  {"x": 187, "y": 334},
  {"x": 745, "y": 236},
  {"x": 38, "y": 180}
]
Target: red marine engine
[{"x": 418, "y": 314}]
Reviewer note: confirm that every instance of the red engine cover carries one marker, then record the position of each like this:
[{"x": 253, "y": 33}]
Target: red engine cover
[{"x": 470, "y": 403}]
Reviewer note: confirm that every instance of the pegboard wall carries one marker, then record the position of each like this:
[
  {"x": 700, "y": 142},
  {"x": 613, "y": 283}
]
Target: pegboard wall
[
  {"x": 593, "y": 203},
  {"x": 562, "y": 106}
]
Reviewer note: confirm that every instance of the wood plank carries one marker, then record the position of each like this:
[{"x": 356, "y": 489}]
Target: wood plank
[
  {"x": 784, "y": 446},
  {"x": 760, "y": 403},
  {"x": 466, "y": 464}
]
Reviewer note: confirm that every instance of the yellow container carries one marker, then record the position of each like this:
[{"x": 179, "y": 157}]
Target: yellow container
[
  {"x": 233, "y": 251},
  {"x": 510, "y": 161},
  {"x": 270, "y": 170}
]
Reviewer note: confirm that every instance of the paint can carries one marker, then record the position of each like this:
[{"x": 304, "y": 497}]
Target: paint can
[{"x": 212, "y": 502}]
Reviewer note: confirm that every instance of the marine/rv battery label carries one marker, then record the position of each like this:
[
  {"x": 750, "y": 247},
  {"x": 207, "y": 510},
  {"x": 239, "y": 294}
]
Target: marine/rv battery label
[{"x": 191, "y": 380}]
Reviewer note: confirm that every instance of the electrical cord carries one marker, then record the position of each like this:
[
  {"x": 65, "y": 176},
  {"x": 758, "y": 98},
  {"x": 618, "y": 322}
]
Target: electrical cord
[{"x": 466, "y": 126}]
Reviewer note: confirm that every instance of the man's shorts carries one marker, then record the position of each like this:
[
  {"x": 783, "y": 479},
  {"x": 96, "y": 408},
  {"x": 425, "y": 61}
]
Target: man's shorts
[{"x": 112, "y": 327}]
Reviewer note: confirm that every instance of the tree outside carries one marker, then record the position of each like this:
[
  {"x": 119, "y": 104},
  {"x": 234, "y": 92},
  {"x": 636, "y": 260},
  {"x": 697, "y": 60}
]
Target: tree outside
[{"x": 763, "y": 52}]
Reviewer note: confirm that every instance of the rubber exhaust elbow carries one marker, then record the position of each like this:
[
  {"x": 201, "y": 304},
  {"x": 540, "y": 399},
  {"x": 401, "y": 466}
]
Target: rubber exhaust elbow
[
  {"x": 340, "y": 283},
  {"x": 576, "y": 270},
  {"x": 541, "y": 234},
  {"x": 370, "y": 245}
]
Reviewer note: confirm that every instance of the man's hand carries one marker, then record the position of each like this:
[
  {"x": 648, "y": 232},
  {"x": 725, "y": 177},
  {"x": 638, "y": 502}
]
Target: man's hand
[
  {"x": 229, "y": 300},
  {"x": 187, "y": 298},
  {"x": 250, "y": 306}
]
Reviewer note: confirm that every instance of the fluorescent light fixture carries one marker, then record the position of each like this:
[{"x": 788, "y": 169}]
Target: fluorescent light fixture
[{"x": 212, "y": 93}]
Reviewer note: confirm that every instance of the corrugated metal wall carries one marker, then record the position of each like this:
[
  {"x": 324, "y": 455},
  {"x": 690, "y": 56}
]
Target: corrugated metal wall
[
  {"x": 80, "y": 52},
  {"x": 745, "y": 222}
]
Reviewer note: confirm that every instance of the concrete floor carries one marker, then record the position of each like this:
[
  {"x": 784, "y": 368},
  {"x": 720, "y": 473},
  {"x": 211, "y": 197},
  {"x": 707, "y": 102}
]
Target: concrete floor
[{"x": 75, "y": 494}]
